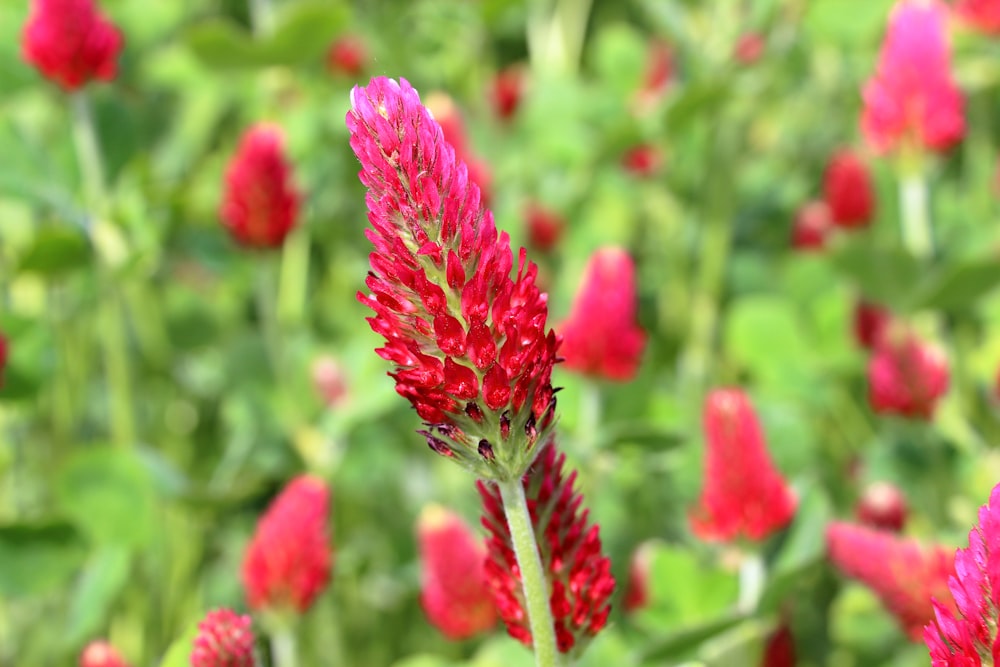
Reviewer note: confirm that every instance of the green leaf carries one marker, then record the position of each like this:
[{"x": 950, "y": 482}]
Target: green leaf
[
  {"x": 109, "y": 494},
  {"x": 179, "y": 652},
  {"x": 302, "y": 35},
  {"x": 38, "y": 558},
  {"x": 883, "y": 274},
  {"x": 648, "y": 436},
  {"x": 827, "y": 21},
  {"x": 102, "y": 580},
  {"x": 764, "y": 334},
  {"x": 679, "y": 642},
  {"x": 957, "y": 287},
  {"x": 694, "y": 101},
  {"x": 56, "y": 251},
  {"x": 803, "y": 551}
]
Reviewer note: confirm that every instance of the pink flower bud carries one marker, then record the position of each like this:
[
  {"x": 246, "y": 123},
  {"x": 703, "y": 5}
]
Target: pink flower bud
[
  {"x": 329, "y": 381},
  {"x": 260, "y": 205},
  {"x": 287, "y": 563},
  {"x": 453, "y": 590},
  {"x": 812, "y": 226},
  {"x": 906, "y": 376},
  {"x": 601, "y": 337},
  {"x": 912, "y": 97},
  {"x": 903, "y": 574},
  {"x": 871, "y": 321},
  {"x": 749, "y": 48},
  {"x": 507, "y": 90},
  {"x": 882, "y": 506},
  {"x": 743, "y": 495},
  {"x": 848, "y": 191},
  {"x": 348, "y": 56},
  {"x": 545, "y": 227},
  {"x": 101, "y": 654},
  {"x": 637, "y": 588},
  {"x": 642, "y": 160},
  {"x": 224, "y": 639},
  {"x": 71, "y": 43}
]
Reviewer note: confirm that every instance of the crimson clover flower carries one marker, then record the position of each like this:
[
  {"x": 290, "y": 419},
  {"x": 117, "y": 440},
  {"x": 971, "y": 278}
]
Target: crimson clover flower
[
  {"x": 224, "y": 639},
  {"x": 100, "y": 653},
  {"x": 579, "y": 574},
  {"x": 71, "y": 43},
  {"x": 848, "y": 190},
  {"x": 287, "y": 563},
  {"x": 468, "y": 340},
  {"x": 906, "y": 375},
  {"x": 982, "y": 15},
  {"x": 963, "y": 632}
]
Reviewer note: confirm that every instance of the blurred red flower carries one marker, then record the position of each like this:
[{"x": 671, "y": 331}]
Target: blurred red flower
[
  {"x": 743, "y": 495},
  {"x": 871, "y": 321},
  {"x": 912, "y": 97},
  {"x": 545, "y": 226},
  {"x": 601, "y": 336},
  {"x": 901, "y": 572},
  {"x": 642, "y": 160},
  {"x": 506, "y": 91},
  {"x": 453, "y": 589},
  {"x": 287, "y": 563},
  {"x": 329, "y": 380},
  {"x": 963, "y": 630},
  {"x": 637, "y": 587},
  {"x": 348, "y": 55},
  {"x": 447, "y": 114},
  {"x": 4, "y": 351},
  {"x": 779, "y": 651},
  {"x": 812, "y": 226},
  {"x": 906, "y": 376},
  {"x": 657, "y": 76},
  {"x": 579, "y": 573},
  {"x": 260, "y": 205},
  {"x": 983, "y": 15},
  {"x": 224, "y": 639},
  {"x": 882, "y": 506},
  {"x": 71, "y": 43},
  {"x": 101, "y": 654},
  {"x": 848, "y": 191},
  {"x": 749, "y": 48}
]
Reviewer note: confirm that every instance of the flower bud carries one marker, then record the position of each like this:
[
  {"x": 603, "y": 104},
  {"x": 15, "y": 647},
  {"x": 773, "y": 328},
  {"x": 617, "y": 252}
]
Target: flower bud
[
  {"x": 907, "y": 376},
  {"x": 848, "y": 191},
  {"x": 101, "y": 654},
  {"x": 224, "y": 639},
  {"x": 347, "y": 56},
  {"x": 882, "y": 506},
  {"x": 812, "y": 226}
]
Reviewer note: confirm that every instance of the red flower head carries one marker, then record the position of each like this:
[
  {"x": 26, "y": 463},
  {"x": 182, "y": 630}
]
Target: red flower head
[
  {"x": 347, "y": 55},
  {"x": 453, "y": 589},
  {"x": 637, "y": 588},
  {"x": 260, "y": 204},
  {"x": 882, "y": 506},
  {"x": 101, "y": 654},
  {"x": 847, "y": 189},
  {"x": 871, "y": 321},
  {"x": 601, "y": 337},
  {"x": 545, "y": 227},
  {"x": 749, "y": 48},
  {"x": 70, "y": 43},
  {"x": 901, "y": 572},
  {"x": 658, "y": 74},
  {"x": 642, "y": 160},
  {"x": 811, "y": 227},
  {"x": 780, "y": 648},
  {"x": 912, "y": 96},
  {"x": 744, "y": 495},
  {"x": 224, "y": 640},
  {"x": 329, "y": 381},
  {"x": 507, "y": 91},
  {"x": 449, "y": 117},
  {"x": 579, "y": 574},
  {"x": 963, "y": 631},
  {"x": 982, "y": 15},
  {"x": 469, "y": 342},
  {"x": 287, "y": 563},
  {"x": 3, "y": 357},
  {"x": 906, "y": 376}
]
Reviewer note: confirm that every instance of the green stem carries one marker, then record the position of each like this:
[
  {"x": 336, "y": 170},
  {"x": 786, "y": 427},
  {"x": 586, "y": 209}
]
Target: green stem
[
  {"x": 536, "y": 586},
  {"x": 752, "y": 577},
  {"x": 917, "y": 234},
  {"x": 88, "y": 152},
  {"x": 267, "y": 310},
  {"x": 261, "y": 17},
  {"x": 571, "y": 21},
  {"x": 589, "y": 421},
  {"x": 294, "y": 277},
  {"x": 284, "y": 651}
]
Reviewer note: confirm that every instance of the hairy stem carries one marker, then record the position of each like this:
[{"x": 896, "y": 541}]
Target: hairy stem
[
  {"x": 917, "y": 234},
  {"x": 284, "y": 652}
]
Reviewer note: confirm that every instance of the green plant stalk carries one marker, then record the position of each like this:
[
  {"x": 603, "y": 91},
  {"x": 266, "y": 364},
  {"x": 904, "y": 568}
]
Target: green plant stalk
[
  {"x": 267, "y": 314},
  {"x": 589, "y": 420},
  {"x": 536, "y": 586},
  {"x": 917, "y": 234},
  {"x": 112, "y": 322},
  {"x": 294, "y": 277},
  {"x": 752, "y": 578},
  {"x": 261, "y": 17},
  {"x": 284, "y": 652}
]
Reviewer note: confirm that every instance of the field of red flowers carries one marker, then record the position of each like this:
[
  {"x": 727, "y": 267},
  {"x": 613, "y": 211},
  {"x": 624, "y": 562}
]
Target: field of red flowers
[{"x": 476, "y": 333}]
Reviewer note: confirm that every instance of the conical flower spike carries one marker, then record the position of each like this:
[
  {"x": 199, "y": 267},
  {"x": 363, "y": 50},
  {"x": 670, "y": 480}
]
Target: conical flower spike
[
  {"x": 453, "y": 589},
  {"x": 981, "y": 15},
  {"x": 578, "y": 573},
  {"x": 101, "y": 654},
  {"x": 902, "y": 573},
  {"x": 744, "y": 495},
  {"x": 912, "y": 98},
  {"x": 469, "y": 342},
  {"x": 70, "y": 43},
  {"x": 224, "y": 639},
  {"x": 848, "y": 191},
  {"x": 907, "y": 376},
  {"x": 601, "y": 337},
  {"x": 287, "y": 564},
  {"x": 963, "y": 632}
]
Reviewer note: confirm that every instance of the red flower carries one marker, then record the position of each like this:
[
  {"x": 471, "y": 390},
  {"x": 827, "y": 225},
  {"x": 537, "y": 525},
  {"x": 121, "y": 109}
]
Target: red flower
[
  {"x": 749, "y": 48},
  {"x": 642, "y": 160},
  {"x": 906, "y": 376},
  {"x": 347, "y": 55},
  {"x": 287, "y": 563},
  {"x": 507, "y": 91},
  {"x": 329, "y": 381},
  {"x": 453, "y": 591},
  {"x": 224, "y": 639},
  {"x": 871, "y": 321},
  {"x": 912, "y": 96},
  {"x": 847, "y": 189},
  {"x": 963, "y": 631},
  {"x": 469, "y": 342},
  {"x": 545, "y": 227},
  {"x": 446, "y": 113},
  {"x": 780, "y": 648},
  {"x": 983, "y": 15},
  {"x": 70, "y": 43},
  {"x": 902, "y": 573},
  {"x": 882, "y": 506},
  {"x": 744, "y": 495},
  {"x": 3, "y": 357},
  {"x": 101, "y": 654},
  {"x": 601, "y": 337},
  {"x": 658, "y": 74},
  {"x": 579, "y": 574},
  {"x": 637, "y": 588},
  {"x": 811, "y": 227},
  {"x": 260, "y": 204}
]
